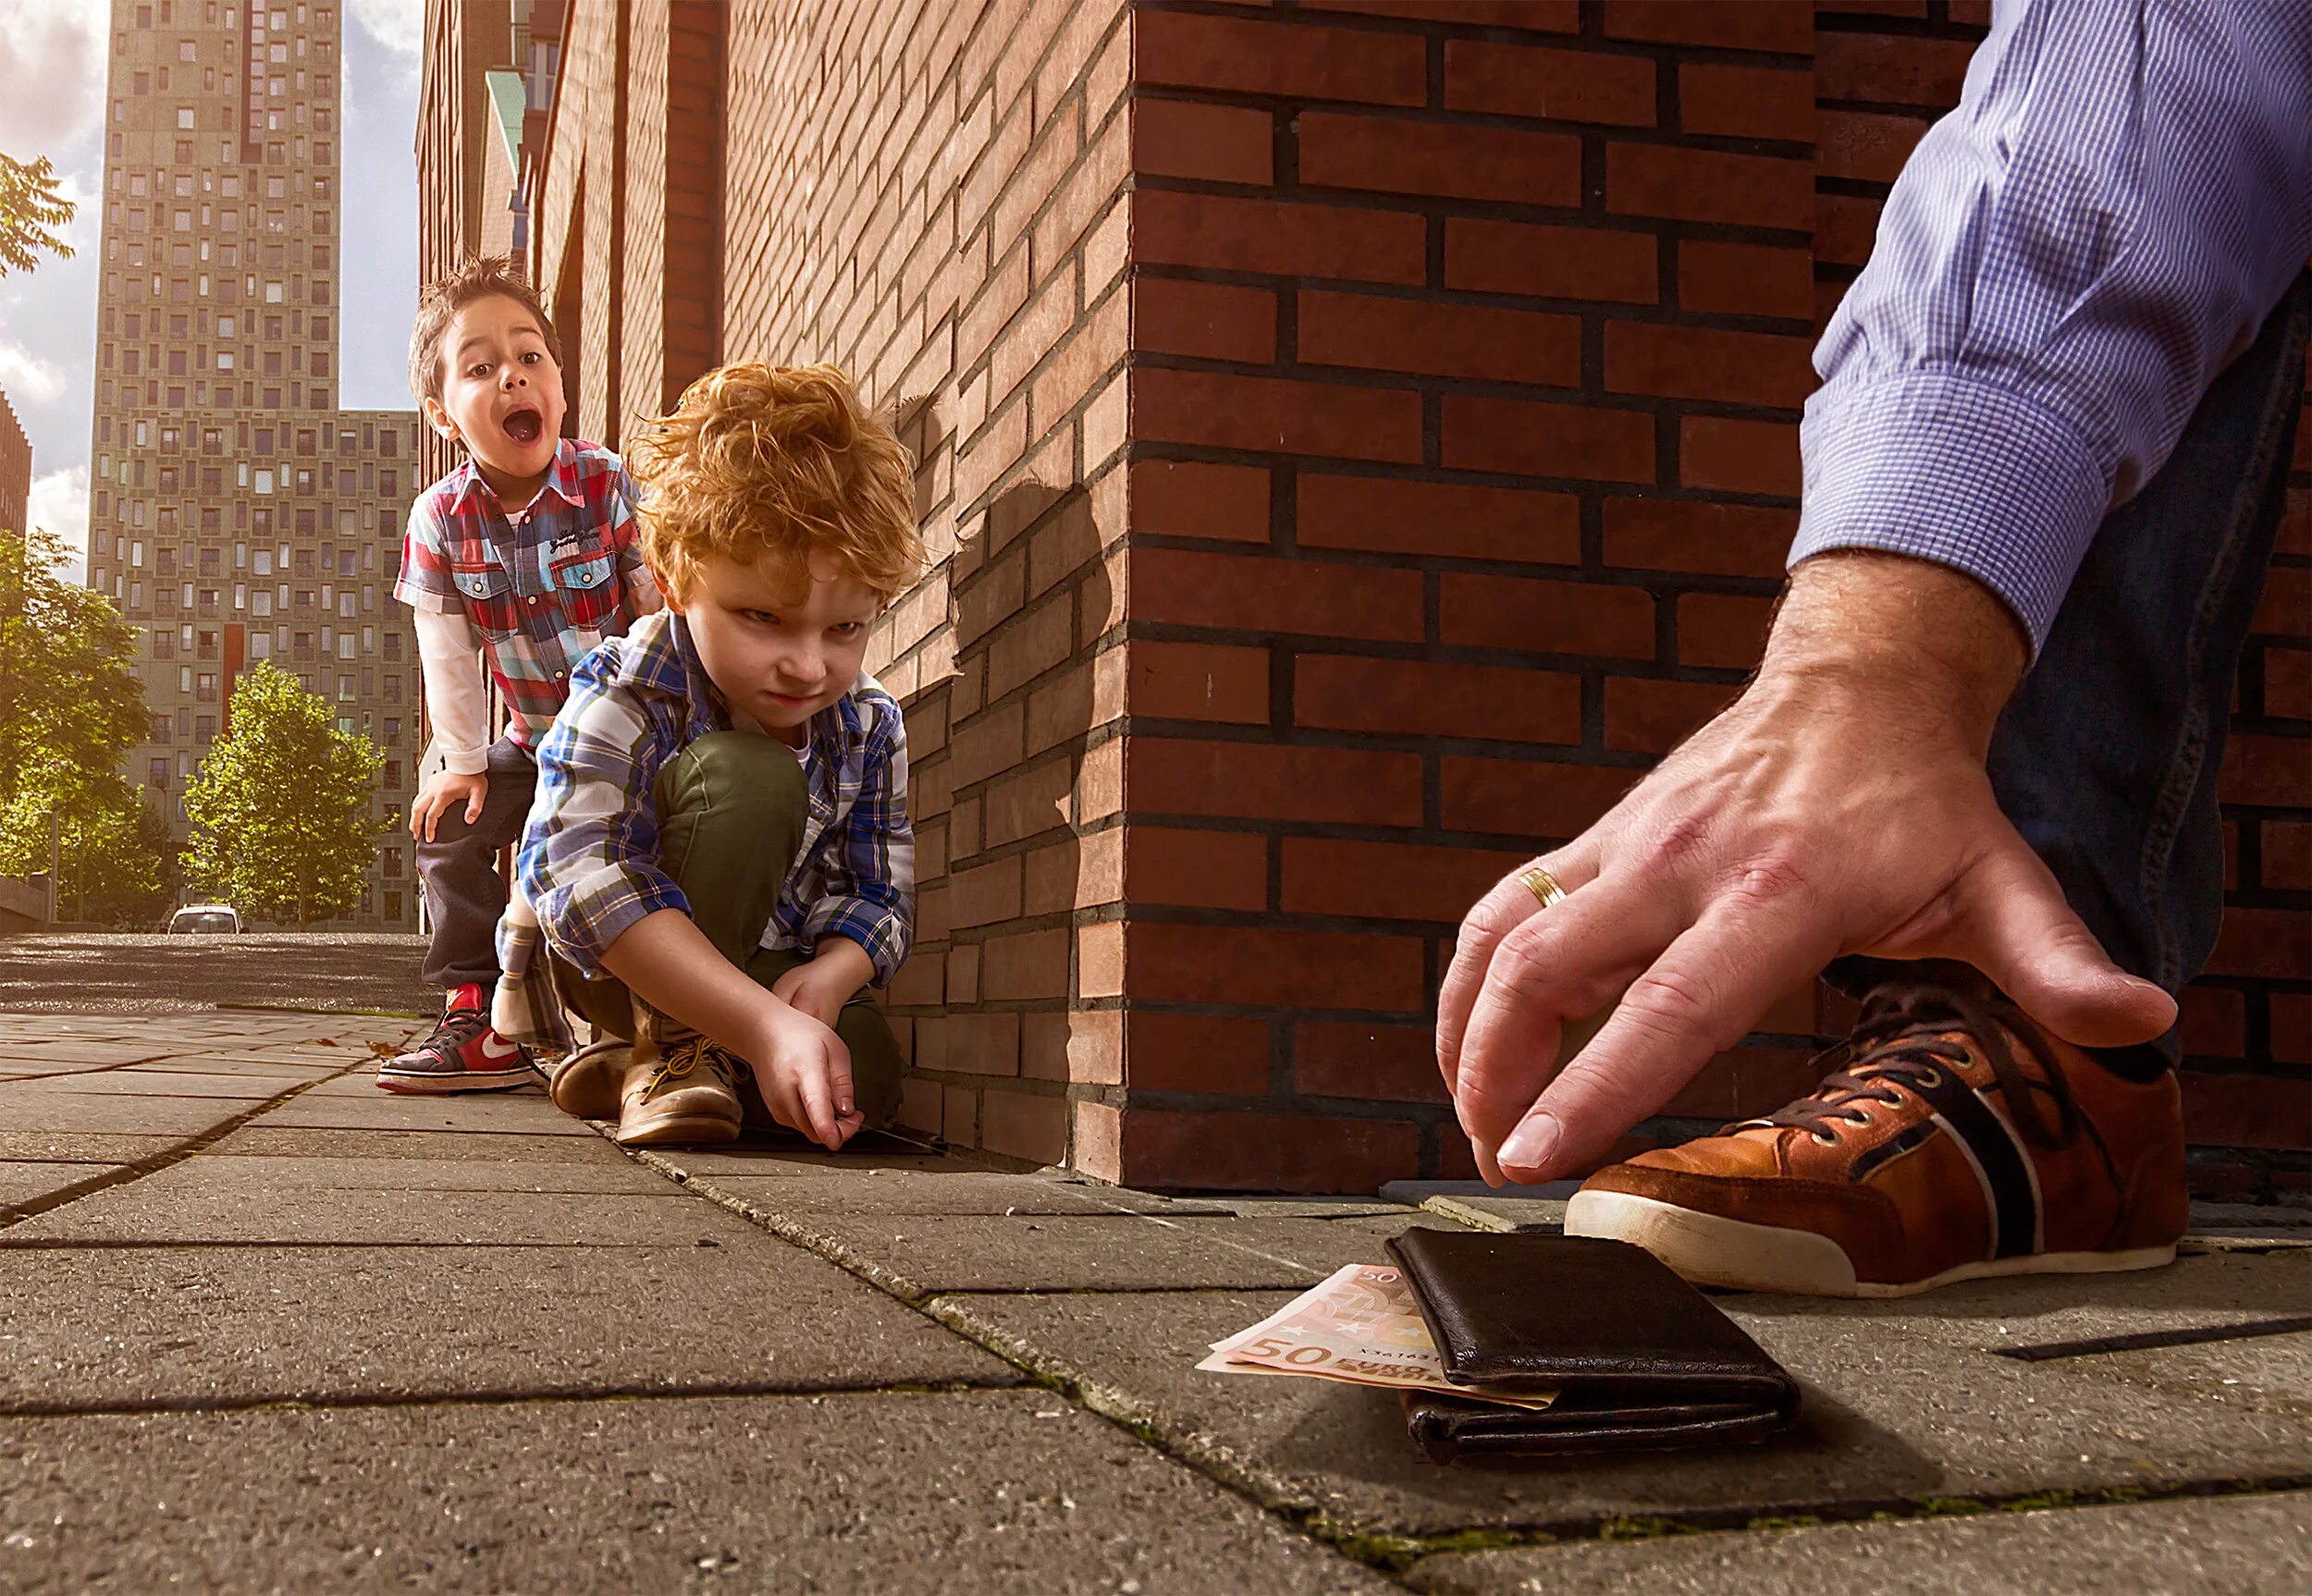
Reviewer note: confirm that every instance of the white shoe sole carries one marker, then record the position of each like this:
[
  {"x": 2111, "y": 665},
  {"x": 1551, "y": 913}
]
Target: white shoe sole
[
  {"x": 464, "y": 1081},
  {"x": 1712, "y": 1250}
]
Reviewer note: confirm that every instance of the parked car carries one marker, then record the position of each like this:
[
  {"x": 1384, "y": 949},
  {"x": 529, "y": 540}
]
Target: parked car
[{"x": 205, "y": 919}]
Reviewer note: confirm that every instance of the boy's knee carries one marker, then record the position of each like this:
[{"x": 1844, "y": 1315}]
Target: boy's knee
[{"x": 726, "y": 771}]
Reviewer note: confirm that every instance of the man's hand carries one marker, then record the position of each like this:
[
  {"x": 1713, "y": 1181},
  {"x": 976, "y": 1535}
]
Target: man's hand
[
  {"x": 820, "y": 986},
  {"x": 804, "y": 1071},
  {"x": 1840, "y": 806},
  {"x": 443, "y": 791}
]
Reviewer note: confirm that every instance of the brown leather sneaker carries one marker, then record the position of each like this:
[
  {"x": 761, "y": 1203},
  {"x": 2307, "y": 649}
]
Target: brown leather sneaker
[
  {"x": 591, "y": 1083},
  {"x": 684, "y": 1093},
  {"x": 1957, "y": 1142}
]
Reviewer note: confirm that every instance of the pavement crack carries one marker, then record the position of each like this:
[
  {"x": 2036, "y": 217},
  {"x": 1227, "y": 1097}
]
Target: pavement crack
[{"x": 2141, "y": 1341}]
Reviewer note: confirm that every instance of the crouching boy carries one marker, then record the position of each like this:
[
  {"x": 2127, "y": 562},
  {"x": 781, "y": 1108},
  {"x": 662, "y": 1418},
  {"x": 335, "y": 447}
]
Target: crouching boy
[{"x": 719, "y": 861}]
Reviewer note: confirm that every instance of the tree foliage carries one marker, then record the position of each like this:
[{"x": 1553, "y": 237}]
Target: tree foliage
[
  {"x": 72, "y": 704},
  {"x": 117, "y": 863},
  {"x": 30, "y": 206},
  {"x": 281, "y": 806}
]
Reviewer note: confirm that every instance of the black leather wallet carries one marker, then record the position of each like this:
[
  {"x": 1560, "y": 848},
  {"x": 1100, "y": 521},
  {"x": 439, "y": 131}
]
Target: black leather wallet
[{"x": 1639, "y": 1358}]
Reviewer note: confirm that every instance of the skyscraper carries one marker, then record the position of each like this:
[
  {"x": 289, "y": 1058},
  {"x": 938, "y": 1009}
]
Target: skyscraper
[{"x": 236, "y": 514}]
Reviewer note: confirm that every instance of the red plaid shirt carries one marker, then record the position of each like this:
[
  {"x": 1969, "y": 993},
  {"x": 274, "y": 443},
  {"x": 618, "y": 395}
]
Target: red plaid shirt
[{"x": 542, "y": 586}]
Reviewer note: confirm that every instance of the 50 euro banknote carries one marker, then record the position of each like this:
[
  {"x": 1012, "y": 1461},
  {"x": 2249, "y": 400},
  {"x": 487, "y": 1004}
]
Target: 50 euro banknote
[{"x": 1360, "y": 1327}]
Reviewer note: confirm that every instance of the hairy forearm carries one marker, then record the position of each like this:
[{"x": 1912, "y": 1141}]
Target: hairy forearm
[
  {"x": 665, "y": 961},
  {"x": 1911, "y": 634}
]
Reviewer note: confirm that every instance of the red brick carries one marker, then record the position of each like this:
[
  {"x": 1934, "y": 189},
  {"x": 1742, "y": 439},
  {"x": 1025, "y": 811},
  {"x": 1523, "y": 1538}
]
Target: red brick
[
  {"x": 1745, "y": 279},
  {"x": 1346, "y": 786},
  {"x": 2287, "y": 849},
  {"x": 2286, "y": 608},
  {"x": 1390, "y": 515},
  {"x": 1263, "y": 967},
  {"x": 1389, "y": 881},
  {"x": 1199, "y": 681},
  {"x": 1780, "y": 25},
  {"x": 1546, "y": 617},
  {"x": 1034, "y": 1129},
  {"x": 1034, "y": 964},
  {"x": 1694, "y": 535},
  {"x": 2292, "y": 1027},
  {"x": 2246, "y": 1111},
  {"x": 1190, "y": 498},
  {"x": 1732, "y": 455},
  {"x": 2213, "y": 1020},
  {"x": 1744, "y": 1082},
  {"x": 1377, "y": 334},
  {"x": 1745, "y": 102},
  {"x": 1194, "y": 1053},
  {"x": 1212, "y": 321},
  {"x": 1265, "y": 1152},
  {"x": 1560, "y": 440},
  {"x": 982, "y": 1044},
  {"x": 1220, "y": 409},
  {"x": 2270, "y": 944},
  {"x": 1525, "y": 798},
  {"x": 1709, "y": 186},
  {"x": 1394, "y": 1064},
  {"x": 1865, "y": 145},
  {"x": 1028, "y": 804},
  {"x": 985, "y": 894},
  {"x": 2267, "y": 770},
  {"x": 1297, "y": 61},
  {"x": 1650, "y": 716},
  {"x": 1415, "y": 698},
  {"x": 1560, "y": 85},
  {"x": 2295, "y": 515},
  {"x": 1707, "y": 364},
  {"x": 1550, "y": 263},
  {"x": 1723, "y": 630},
  {"x": 2288, "y": 683},
  {"x": 1439, "y": 159},
  {"x": 1246, "y": 593},
  {"x": 1846, "y": 225},
  {"x": 1529, "y": 16},
  {"x": 1214, "y": 144},
  {"x": 1198, "y": 869},
  {"x": 1891, "y": 68},
  {"x": 1226, "y": 233}
]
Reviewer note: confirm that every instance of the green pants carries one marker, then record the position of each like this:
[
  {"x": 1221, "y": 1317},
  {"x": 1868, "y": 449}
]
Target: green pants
[{"x": 731, "y": 812}]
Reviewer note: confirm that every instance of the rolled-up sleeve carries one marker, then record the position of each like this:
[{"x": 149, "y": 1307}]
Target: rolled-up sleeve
[
  {"x": 588, "y": 864},
  {"x": 870, "y": 886},
  {"x": 2068, "y": 260}
]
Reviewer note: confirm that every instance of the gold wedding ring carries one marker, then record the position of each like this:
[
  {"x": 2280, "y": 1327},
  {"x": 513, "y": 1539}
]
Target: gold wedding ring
[
  {"x": 1542, "y": 885},
  {"x": 1573, "y": 1035}
]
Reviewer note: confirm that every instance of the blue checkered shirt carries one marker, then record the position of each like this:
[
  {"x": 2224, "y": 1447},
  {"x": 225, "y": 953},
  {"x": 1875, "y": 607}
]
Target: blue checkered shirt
[
  {"x": 588, "y": 862},
  {"x": 2070, "y": 257}
]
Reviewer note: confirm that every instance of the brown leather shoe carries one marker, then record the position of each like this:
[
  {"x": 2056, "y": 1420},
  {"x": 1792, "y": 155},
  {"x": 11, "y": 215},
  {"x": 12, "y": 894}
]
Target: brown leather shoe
[
  {"x": 1957, "y": 1142},
  {"x": 591, "y": 1083},
  {"x": 684, "y": 1093}
]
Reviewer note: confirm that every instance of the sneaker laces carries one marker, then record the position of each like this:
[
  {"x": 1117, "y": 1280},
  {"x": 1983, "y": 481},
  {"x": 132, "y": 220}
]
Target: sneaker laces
[
  {"x": 455, "y": 1029},
  {"x": 1904, "y": 1036},
  {"x": 681, "y": 1060}
]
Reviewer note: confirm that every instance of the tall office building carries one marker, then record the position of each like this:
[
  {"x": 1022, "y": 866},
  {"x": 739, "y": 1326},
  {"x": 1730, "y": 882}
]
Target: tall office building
[
  {"x": 16, "y": 470},
  {"x": 236, "y": 514}
]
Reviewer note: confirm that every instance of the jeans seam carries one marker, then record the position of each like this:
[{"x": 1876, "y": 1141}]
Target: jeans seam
[{"x": 2186, "y": 764}]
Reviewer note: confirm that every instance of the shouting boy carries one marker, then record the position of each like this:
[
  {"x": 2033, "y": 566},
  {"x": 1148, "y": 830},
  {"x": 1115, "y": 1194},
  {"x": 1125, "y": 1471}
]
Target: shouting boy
[
  {"x": 719, "y": 858},
  {"x": 521, "y": 559}
]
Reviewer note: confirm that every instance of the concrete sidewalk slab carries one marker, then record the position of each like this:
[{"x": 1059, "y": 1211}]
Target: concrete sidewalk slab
[
  {"x": 525, "y": 1109},
  {"x": 986, "y": 1492},
  {"x": 108, "y": 1328},
  {"x": 26, "y": 1109},
  {"x": 165, "y": 1209},
  {"x": 22, "y": 1183},
  {"x": 77, "y": 1146},
  {"x": 2240, "y": 1545},
  {"x": 875, "y": 1192},
  {"x": 264, "y": 1138},
  {"x": 178, "y": 1084},
  {"x": 261, "y": 1178}
]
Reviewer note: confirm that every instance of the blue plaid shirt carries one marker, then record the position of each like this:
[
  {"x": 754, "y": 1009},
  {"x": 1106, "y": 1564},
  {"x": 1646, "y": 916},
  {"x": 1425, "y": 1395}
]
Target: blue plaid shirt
[
  {"x": 588, "y": 862},
  {"x": 2122, "y": 195}
]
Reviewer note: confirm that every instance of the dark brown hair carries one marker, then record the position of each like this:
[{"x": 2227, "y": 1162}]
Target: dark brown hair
[{"x": 443, "y": 299}]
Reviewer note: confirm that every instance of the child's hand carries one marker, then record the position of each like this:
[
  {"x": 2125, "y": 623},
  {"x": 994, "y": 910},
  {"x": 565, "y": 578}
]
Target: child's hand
[
  {"x": 443, "y": 791},
  {"x": 803, "y": 1071},
  {"x": 823, "y": 985}
]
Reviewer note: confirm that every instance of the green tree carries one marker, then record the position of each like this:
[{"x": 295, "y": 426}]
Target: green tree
[
  {"x": 281, "y": 822},
  {"x": 30, "y": 206},
  {"x": 72, "y": 704},
  {"x": 115, "y": 861}
]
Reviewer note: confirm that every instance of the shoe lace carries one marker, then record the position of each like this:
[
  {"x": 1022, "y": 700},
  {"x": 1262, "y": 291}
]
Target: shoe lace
[
  {"x": 456, "y": 1028},
  {"x": 1905, "y": 1035},
  {"x": 684, "y": 1058}
]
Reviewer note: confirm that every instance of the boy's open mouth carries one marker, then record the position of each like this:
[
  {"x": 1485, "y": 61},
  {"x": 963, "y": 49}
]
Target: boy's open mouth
[{"x": 522, "y": 426}]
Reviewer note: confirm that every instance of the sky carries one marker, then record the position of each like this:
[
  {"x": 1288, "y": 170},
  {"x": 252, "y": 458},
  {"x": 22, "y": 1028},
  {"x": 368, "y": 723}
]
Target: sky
[{"x": 52, "y": 99}]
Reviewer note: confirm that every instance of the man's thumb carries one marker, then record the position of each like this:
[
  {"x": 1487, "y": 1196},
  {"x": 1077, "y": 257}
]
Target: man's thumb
[{"x": 2030, "y": 943}]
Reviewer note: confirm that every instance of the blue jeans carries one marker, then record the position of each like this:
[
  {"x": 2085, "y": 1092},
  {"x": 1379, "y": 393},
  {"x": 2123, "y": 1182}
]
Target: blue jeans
[{"x": 2106, "y": 759}]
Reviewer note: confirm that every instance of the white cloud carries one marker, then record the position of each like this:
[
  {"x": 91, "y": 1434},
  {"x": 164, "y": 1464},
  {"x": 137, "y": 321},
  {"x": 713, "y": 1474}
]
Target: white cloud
[
  {"x": 28, "y": 378},
  {"x": 399, "y": 25},
  {"x": 59, "y": 502},
  {"x": 52, "y": 72}
]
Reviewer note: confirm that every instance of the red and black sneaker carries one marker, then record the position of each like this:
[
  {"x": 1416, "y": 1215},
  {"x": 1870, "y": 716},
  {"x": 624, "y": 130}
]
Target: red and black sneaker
[{"x": 463, "y": 1054}]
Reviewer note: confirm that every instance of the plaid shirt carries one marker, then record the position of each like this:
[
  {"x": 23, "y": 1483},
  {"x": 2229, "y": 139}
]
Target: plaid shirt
[
  {"x": 588, "y": 862},
  {"x": 543, "y": 587}
]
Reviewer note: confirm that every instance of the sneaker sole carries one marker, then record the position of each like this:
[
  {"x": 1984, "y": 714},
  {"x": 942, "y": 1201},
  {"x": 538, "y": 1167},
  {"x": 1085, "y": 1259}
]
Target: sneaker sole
[
  {"x": 1710, "y": 1249},
  {"x": 465, "y": 1081}
]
